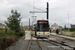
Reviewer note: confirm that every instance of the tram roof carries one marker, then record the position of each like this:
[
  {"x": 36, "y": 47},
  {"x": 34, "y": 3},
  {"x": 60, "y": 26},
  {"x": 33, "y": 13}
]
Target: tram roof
[{"x": 42, "y": 20}]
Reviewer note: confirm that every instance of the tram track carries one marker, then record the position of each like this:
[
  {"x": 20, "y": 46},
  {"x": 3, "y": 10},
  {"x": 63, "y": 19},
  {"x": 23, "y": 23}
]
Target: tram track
[
  {"x": 29, "y": 44},
  {"x": 37, "y": 44},
  {"x": 40, "y": 45},
  {"x": 55, "y": 43},
  {"x": 62, "y": 45}
]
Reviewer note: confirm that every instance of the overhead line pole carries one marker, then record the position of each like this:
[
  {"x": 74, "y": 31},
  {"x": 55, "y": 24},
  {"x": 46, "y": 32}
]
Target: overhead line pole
[
  {"x": 29, "y": 23},
  {"x": 47, "y": 11},
  {"x": 43, "y": 11},
  {"x": 68, "y": 22}
]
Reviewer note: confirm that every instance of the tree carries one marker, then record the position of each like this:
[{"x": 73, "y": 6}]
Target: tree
[
  {"x": 65, "y": 27},
  {"x": 13, "y": 21}
]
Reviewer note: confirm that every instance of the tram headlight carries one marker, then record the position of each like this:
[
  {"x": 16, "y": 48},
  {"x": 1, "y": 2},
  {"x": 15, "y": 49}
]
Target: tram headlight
[
  {"x": 48, "y": 35},
  {"x": 39, "y": 35}
]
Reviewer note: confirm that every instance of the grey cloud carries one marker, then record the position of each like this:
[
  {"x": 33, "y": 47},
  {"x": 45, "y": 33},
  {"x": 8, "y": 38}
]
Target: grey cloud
[{"x": 58, "y": 10}]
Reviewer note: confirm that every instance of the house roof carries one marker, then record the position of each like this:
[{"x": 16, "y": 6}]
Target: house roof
[
  {"x": 55, "y": 25},
  {"x": 2, "y": 24}
]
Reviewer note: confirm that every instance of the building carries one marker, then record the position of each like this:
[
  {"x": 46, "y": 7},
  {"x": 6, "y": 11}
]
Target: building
[
  {"x": 2, "y": 25},
  {"x": 72, "y": 26},
  {"x": 54, "y": 26}
]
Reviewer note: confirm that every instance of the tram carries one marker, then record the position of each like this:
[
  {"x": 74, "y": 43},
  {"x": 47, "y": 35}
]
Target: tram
[{"x": 41, "y": 29}]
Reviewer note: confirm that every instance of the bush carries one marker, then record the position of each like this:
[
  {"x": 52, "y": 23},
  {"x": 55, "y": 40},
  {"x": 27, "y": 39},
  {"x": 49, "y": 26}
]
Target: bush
[
  {"x": 7, "y": 41},
  {"x": 20, "y": 33},
  {"x": 72, "y": 29},
  {"x": 10, "y": 32},
  {"x": 10, "y": 37},
  {"x": 63, "y": 29},
  {"x": 10, "y": 40},
  {"x": 1, "y": 28}
]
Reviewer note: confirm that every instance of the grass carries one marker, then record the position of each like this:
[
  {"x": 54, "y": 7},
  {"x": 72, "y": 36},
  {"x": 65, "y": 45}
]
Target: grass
[
  {"x": 53, "y": 31},
  {"x": 65, "y": 34},
  {"x": 70, "y": 35},
  {"x": 9, "y": 38}
]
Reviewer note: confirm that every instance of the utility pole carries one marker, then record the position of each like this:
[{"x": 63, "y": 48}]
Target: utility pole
[
  {"x": 68, "y": 22},
  {"x": 47, "y": 10},
  {"x": 29, "y": 23},
  {"x": 21, "y": 24}
]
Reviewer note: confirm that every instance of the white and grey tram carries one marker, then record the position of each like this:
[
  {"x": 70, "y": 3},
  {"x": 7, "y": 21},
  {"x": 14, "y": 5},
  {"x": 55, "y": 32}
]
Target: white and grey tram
[{"x": 41, "y": 29}]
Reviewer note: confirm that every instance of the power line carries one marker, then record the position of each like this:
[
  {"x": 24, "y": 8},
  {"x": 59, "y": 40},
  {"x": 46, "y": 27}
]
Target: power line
[
  {"x": 39, "y": 9},
  {"x": 33, "y": 5},
  {"x": 48, "y": 0},
  {"x": 43, "y": 5}
]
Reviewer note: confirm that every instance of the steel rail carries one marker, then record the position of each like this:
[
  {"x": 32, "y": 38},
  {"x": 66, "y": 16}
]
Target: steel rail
[
  {"x": 51, "y": 42},
  {"x": 29, "y": 44},
  {"x": 57, "y": 44},
  {"x": 63, "y": 44},
  {"x": 40, "y": 45}
]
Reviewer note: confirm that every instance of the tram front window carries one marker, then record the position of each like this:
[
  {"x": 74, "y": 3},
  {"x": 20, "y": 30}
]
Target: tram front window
[{"x": 43, "y": 26}]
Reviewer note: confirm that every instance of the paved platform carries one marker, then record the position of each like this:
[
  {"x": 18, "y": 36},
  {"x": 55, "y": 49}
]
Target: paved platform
[
  {"x": 33, "y": 38},
  {"x": 27, "y": 35},
  {"x": 71, "y": 38}
]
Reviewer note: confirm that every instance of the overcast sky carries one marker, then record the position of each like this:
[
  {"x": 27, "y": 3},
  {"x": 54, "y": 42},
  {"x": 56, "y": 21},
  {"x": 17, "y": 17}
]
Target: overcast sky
[{"x": 58, "y": 10}]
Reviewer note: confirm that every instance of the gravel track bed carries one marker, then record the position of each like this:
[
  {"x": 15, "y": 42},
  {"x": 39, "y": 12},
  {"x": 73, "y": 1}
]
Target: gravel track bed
[{"x": 35, "y": 45}]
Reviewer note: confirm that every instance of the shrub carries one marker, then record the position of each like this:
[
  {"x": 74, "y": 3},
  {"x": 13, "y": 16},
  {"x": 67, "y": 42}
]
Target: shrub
[
  {"x": 10, "y": 32},
  {"x": 1, "y": 28},
  {"x": 7, "y": 41},
  {"x": 5, "y": 30},
  {"x": 20, "y": 33},
  {"x": 63, "y": 29},
  {"x": 72, "y": 29},
  {"x": 10, "y": 40}
]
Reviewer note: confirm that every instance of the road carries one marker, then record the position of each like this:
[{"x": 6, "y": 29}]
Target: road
[{"x": 23, "y": 43}]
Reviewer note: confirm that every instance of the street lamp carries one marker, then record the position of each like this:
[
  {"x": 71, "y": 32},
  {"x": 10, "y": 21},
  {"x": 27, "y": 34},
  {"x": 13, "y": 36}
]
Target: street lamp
[{"x": 68, "y": 22}]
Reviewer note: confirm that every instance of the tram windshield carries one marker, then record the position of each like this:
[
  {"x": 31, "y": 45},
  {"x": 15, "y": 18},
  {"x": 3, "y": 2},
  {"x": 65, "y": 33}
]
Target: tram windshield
[{"x": 42, "y": 26}]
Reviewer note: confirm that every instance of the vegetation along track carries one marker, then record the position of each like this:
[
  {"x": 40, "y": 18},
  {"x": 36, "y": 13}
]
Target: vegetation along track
[{"x": 34, "y": 45}]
